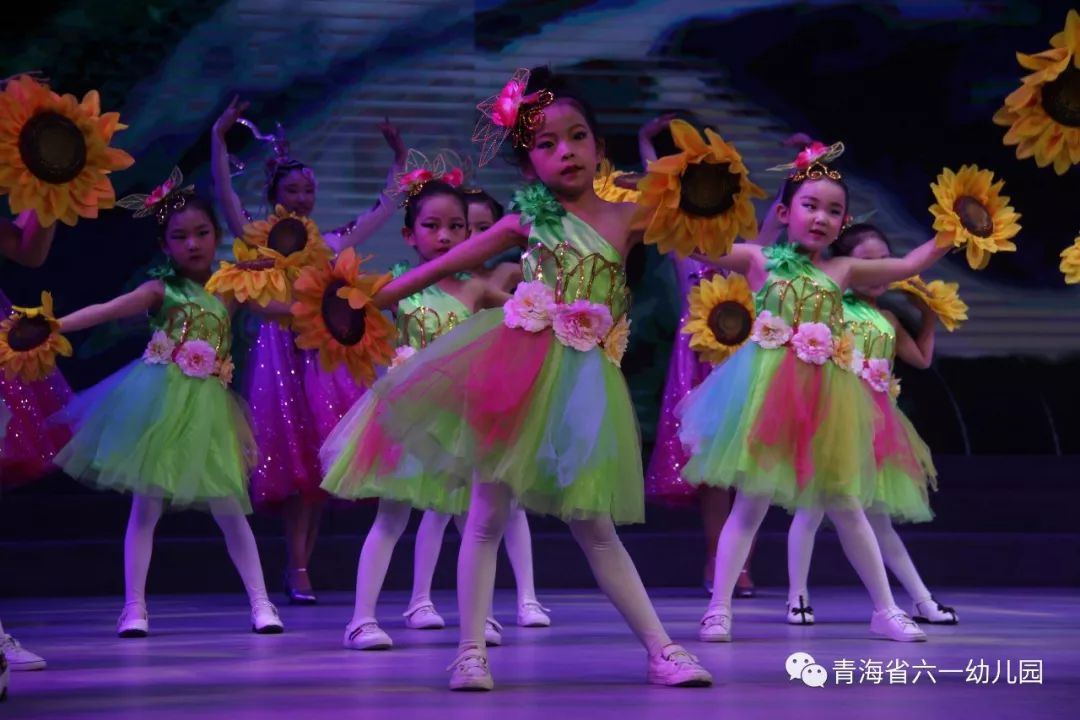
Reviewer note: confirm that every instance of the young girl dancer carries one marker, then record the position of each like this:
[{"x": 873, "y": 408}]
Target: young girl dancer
[
  {"x": 294, "y": 402},
  {"x": 663, "y": 475},
  {"x": 782, "y": 420},
  {"x": 904, "y": 465},
  {"x": 435, "y": 222},
  {"x": 165, "y": 428},
  {"x": 27, "y": 443},
  {"x": 484, "y": 211},
  {"x": 530, "y": 397}
]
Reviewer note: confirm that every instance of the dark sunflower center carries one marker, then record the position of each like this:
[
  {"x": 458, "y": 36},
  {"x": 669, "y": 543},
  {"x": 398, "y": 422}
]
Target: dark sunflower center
[
  {"x": 287, "y": 236},
  {"x": 1061, "y": 98},
  {"x": 730, "y": 323},
  {"x": 29, "y": 333},
  {"x": 974, "y": 216},
  {"x": 708, "y": 190},
  {"x": 53, "y": 148},
  {"x": 342, "y": 322}
]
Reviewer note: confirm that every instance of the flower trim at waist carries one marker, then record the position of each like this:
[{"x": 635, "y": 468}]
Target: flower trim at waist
[
  {"x": 580, "y": 325},
  {"x": 194, "y": 358},
  {"x": 814, "y": 343}
]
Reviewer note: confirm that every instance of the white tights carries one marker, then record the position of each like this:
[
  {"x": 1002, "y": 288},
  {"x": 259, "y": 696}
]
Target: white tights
[
  {"x": 801, "y": 535},
  {"x": 139, "y": 545},
  {"x": 390, "y": 522},
  {"x": 856, "y": 538},
  {"x": 612, "y": 567}
]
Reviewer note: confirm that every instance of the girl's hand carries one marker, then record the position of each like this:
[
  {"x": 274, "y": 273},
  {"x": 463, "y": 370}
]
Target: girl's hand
[
  {"x": 228, "y": 118},
  {"x": 392, "y": 136},
  {"x": 657, "y": 125}
]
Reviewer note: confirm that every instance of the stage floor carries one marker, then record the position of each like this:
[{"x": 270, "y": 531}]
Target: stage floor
[{"x": 202, "y": 661}]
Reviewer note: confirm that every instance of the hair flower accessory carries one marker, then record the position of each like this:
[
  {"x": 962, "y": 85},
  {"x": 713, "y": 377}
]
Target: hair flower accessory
[{"x": 511, "y": 112}]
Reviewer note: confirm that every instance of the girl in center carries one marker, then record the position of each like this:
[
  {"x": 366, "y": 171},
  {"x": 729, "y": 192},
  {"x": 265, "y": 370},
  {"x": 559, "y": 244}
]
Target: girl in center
[
  {"x": 528, "y": 398},
  {"x": 436, "y": 221}
]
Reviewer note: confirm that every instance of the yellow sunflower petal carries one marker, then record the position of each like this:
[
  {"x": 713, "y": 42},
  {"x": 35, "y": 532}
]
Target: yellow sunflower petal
[
  {"x": 1036, "y": 130},
  {"x": 1070, "y": 262}
]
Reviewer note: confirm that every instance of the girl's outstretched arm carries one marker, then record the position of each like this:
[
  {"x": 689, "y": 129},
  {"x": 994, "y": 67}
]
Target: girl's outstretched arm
[{"x": 139, "y": 301}]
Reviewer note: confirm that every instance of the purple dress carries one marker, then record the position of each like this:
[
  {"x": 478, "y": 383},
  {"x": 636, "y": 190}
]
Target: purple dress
[
  {"x": 28, "y": 442},
  {"x": 663, "y": 482},
  {"x": 294, "y": 402},
  {"x": 294, "y": 406}
]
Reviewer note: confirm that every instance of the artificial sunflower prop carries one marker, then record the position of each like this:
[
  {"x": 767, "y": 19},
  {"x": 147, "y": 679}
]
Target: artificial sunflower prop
[
  {"x": 721, "y": 316},
  {"x": 942, "y": 297},
  {"x": 55, "y": 157},
  {"x": 971, "y": 211},
  {"x": 30, "y": 340},
  {"x": 333, "y": 313},
  {"x": 615, "y": 185},
  {"x": 1070, "y": 262},
  {"x": 698, "y": 199},
  {"x": 1043, "y": 114},
  {"x": 269, "y": 259}
]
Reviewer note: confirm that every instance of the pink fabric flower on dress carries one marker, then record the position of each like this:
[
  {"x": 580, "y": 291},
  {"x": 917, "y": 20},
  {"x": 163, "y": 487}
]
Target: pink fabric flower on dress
[
  {"x": 582, "y": 324},
  {"x": 197, "y": 358},
  {"x": 878, "y": 374},
  {"x": 454, "y": 178},
  {"x": 401, "y": 355},
  {"x": 770, "y": 331},
  {"x": 504, "y": 111},
  {"x": 531, "y": 307},
  {"x": 813, "y": 343},
  {"x": 159, "y": 350},
  {"x": 159, "y": 193}
]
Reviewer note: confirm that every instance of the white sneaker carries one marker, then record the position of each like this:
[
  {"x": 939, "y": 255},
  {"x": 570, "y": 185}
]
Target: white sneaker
[
  {"x": 715, "y": 627},
  {"x": 533, "y": 615},
  {"x": 265, "y": 619},
  {"x": 932, "y": 612},
  {"x": 800, "y": 614},
  {"x": 18, "y": 657},
  {"x": 424, "y": 617},
  {"x": 675, "y": 667},
  {"x": 492, "y": 632},
  {"x": 134, "y": 621},
  {"x": 369, "y": 636},
  {"x": 470, "y": 671},
  {"x": 895, "y": 624}
]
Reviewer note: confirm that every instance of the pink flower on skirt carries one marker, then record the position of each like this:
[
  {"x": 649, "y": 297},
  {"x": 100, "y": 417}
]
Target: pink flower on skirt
[
  {"x": 582, "y": 324},
  {"x": 813, "y": 343},
  {"x": 770, "y": 332},
  {"x": 878, "y": 374},
  {"x": 159, "y": 350},
  {"x": 531, "y": 307},
  {"x": 197, "y": 358}
]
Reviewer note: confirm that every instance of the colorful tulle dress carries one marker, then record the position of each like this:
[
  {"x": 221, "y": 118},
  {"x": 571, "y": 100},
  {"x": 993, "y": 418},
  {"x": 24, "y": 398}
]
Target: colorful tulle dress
[
  {"x": 905, "y": 469},
  {"x": 529, "y": 394},
  {"x": 663, "y": 476},
  {"x": 167, "y": 425},
  {"x": 785, "y": 417},
  {"x": 28, "y": 442},
  {"x": 421, "y": 318}
]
